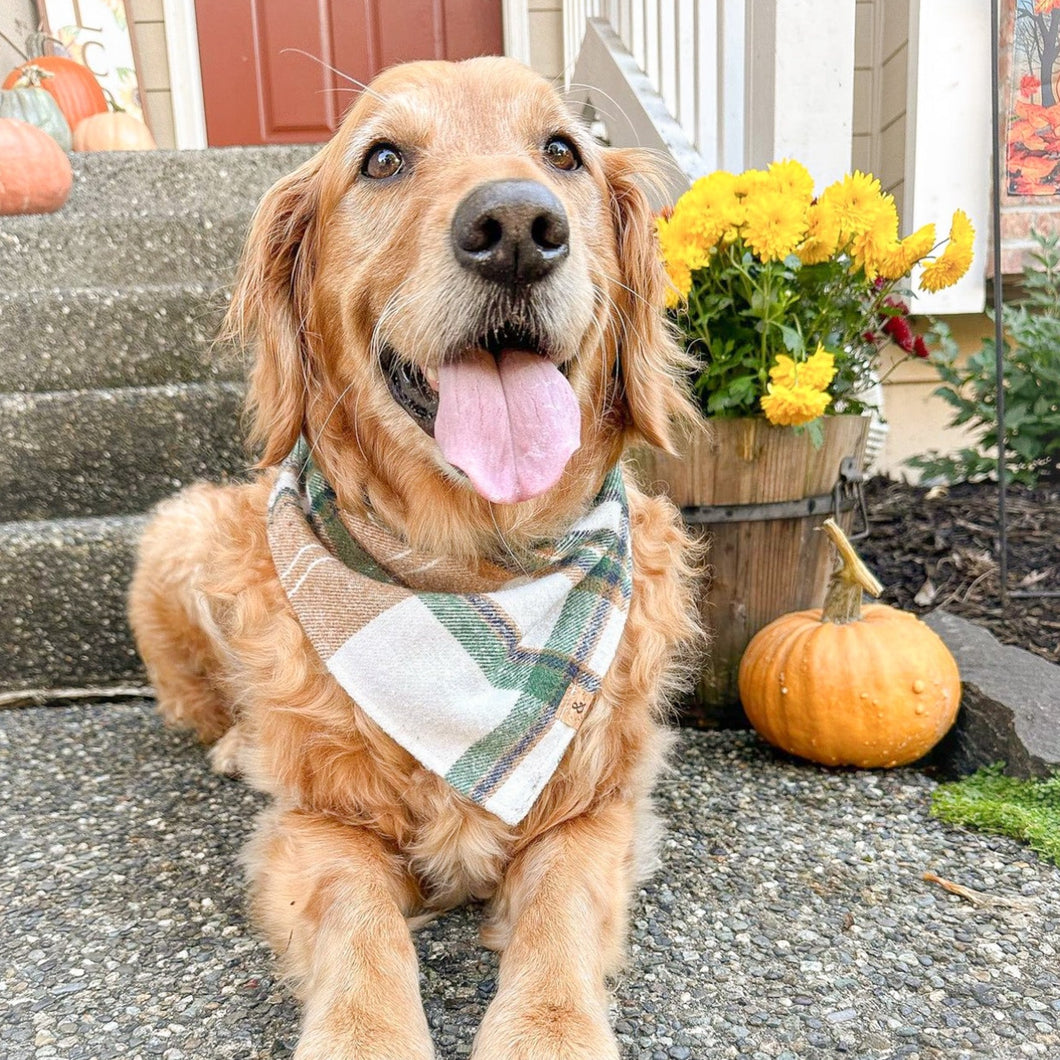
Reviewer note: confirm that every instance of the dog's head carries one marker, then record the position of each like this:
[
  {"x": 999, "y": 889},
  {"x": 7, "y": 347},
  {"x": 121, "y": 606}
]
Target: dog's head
[{"x": 459, "y": 297}]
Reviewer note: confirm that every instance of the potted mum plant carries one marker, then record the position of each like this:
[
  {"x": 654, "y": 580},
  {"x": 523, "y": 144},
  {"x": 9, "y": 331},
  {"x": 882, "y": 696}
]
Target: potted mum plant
[{"x": 785, "y": 300}]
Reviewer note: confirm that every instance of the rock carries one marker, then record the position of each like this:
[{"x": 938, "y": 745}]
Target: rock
[{"x": 1010, "y": 705}]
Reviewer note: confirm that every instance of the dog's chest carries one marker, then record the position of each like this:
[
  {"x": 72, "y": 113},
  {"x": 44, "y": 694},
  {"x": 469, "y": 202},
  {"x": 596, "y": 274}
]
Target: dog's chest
[{"x": 456, "y": 851}]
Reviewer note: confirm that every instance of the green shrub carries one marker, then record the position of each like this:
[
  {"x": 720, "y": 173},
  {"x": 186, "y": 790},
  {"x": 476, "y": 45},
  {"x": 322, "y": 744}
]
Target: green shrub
[{"x": 1032, "y": 386}]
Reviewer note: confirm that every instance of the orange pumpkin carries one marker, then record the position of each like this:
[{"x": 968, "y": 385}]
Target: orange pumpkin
[
  {"x": 849, "y": 686},
  {"x": 113, "y": 131},
  {"x": 35, "y": 174},
  {"x": 73, "y": 86}
]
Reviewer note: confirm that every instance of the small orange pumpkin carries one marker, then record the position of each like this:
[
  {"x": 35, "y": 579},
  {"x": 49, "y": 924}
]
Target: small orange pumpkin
[
  {"x": 849, "y": 686},
  {"x": 35, "y": 174},
  {"x": 113, "y": 131}
]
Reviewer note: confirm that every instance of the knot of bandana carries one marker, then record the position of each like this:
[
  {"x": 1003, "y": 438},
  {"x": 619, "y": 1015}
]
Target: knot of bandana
[{"x": 482, "y": 674}]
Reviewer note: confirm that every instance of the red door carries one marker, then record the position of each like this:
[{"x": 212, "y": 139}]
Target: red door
[{"x": 269, "y": 67}]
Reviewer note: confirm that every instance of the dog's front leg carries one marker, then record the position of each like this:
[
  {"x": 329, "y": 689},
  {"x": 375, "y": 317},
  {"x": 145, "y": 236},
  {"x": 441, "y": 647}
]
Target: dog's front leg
[
  {"x": 560, "y": 922},
  {"x": 332, "y": 899}
]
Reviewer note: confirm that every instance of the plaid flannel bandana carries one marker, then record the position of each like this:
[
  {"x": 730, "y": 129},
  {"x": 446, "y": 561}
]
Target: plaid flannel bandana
[{"x": 483, "y": 676}]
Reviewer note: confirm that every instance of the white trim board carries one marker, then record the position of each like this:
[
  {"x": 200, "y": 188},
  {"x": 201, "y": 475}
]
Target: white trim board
[
  {"x": 185, "y": 76},
  {"x": 515, "y": 16},
  {"x": 947, "y": 158}
]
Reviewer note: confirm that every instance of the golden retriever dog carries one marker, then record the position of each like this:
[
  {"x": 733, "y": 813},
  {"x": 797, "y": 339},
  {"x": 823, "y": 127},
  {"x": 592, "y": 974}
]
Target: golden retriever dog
[{"x": 456, "y": 306}]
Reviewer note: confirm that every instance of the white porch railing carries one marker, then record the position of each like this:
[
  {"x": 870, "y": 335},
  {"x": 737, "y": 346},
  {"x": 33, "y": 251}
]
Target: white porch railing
[
  {"x": 692, "y": 54},
  {"x": 741, "y": 82}
]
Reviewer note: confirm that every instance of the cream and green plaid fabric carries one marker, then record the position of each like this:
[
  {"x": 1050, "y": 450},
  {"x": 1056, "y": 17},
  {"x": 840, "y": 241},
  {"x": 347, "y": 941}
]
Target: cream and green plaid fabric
[{"x": 482, "y": 675}]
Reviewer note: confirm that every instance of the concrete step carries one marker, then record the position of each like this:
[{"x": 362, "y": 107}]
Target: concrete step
[
  {"x": 103, "y": 337},
  {"x": 135, "y": 184},
  {"x": 140, "y": 183},
  {"x": 62, "y": 603},
  {"x": 195, "y": 247},
  {"x": 144, "y": 217},
  {"x": 113, "y": 452}
]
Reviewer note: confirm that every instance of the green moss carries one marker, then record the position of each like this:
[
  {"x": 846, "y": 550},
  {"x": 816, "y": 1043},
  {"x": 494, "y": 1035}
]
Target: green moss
[{"x": 1024, "y": 809}]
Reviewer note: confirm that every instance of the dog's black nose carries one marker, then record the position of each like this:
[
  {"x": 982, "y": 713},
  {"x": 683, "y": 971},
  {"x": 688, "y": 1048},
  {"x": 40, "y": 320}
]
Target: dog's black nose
[{"x": 510, "y": 231}]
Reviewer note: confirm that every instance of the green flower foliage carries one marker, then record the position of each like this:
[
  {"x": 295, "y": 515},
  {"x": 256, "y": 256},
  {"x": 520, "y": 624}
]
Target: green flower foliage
[
  {"x": 1032, "y": 386},
  {"x": 1023, "y": 809},
  {"x": 741, "y": 313}
]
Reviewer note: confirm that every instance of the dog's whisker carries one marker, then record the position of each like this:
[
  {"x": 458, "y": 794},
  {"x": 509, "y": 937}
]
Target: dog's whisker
[
  {"x": 502, "y": 538},
  {"x": 315, "y": 442},
  {"x": 596, "y": 92},
  {"x": 361, "y": 86}
]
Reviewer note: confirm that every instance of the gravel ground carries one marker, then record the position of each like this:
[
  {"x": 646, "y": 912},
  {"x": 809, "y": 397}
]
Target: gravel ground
[{"x": 789, "y": 920}]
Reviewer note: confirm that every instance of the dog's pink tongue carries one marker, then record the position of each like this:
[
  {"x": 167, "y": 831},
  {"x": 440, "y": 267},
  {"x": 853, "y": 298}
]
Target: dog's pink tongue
[{"x": 510, "y": 423}]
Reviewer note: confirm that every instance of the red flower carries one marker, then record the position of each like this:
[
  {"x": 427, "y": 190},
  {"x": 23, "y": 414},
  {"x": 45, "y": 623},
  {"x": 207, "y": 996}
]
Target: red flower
[
  {"x": 1029, "y": 84},
  {"x": 920, "y": 347},
  {"x": 900, "y": 331}
]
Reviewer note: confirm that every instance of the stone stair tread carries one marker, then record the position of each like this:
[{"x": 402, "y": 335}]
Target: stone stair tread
[
  {"x": 191, "y": 246},
  {"x": 88, "y": 337},
  {"x": 136, "y": 184},
  {"x": 103, "y": 452},
  {"x": 62, "y": 602}
]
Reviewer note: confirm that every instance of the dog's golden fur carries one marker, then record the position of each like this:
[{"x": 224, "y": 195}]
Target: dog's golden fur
[{"x": 359, "y": 837}]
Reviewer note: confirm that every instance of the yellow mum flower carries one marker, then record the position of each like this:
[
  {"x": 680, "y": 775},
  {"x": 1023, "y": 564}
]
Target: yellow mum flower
[
  {"x": 955, "y": 260},
  {"x": 709, "y": 210},
  {"x": 819, "y": 370},
  {"x": 713, "y": 191},
  {"x": 774, "y": 224},
  {"x": 871, "y": 248},
  {"x": 678, "y": 256},
  {"x": 792, "y": 178},
  {"x": 853, "y": 203},
  {"x": 898, "y": 259},
  {"x": 751, "y": 182},
  {"x": 790, "y": 406},
  {"x": 815, "y": 373},
  {"x": 822, "y": 235}
]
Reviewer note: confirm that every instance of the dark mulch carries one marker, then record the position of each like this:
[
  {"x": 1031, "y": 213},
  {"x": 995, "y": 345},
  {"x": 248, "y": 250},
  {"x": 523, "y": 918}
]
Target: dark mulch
[{"x": 940, "y": 548}]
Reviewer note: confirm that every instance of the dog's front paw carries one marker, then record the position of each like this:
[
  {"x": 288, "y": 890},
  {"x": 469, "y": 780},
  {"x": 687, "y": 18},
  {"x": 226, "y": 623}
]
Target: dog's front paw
[
  {"x": 543, "y": 1031},
  {"x": 226, "y": 755}
]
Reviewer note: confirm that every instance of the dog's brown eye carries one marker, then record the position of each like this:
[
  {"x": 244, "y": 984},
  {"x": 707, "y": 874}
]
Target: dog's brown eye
[
  {"x": 382, "y": 161},
  {"x": 561, "y": 154}
]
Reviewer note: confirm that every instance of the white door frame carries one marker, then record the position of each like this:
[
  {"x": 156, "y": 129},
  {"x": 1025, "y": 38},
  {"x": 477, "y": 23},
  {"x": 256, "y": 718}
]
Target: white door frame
[
  {"x": 185, "y": 75},
  {"x": 516, "y": 19}
]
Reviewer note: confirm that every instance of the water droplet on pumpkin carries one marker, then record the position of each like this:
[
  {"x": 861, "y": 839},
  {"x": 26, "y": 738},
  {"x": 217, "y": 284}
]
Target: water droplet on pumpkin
[
  {"x": 918, "y": 687},
  {"x": 783, "y": 690},
  {"x": 920, "y": 708},
  {"x": 864, "y": 695}
]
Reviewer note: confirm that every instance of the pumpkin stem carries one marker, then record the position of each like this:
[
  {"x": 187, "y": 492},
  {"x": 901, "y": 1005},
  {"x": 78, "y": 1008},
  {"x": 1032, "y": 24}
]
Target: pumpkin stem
[
  {"x": 842, "y": 604},
  {"x": 32, "y": 76}
]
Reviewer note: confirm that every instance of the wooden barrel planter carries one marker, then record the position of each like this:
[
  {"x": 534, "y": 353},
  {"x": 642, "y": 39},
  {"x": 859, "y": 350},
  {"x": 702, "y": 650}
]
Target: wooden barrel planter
[{"x": 760, "y": 493}]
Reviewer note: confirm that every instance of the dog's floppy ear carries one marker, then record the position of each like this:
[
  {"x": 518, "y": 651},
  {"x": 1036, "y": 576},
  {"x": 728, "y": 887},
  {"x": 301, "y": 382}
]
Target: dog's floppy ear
[
  {"x": 270, "y": 308},
  {"x": 652, "y": 365}
]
